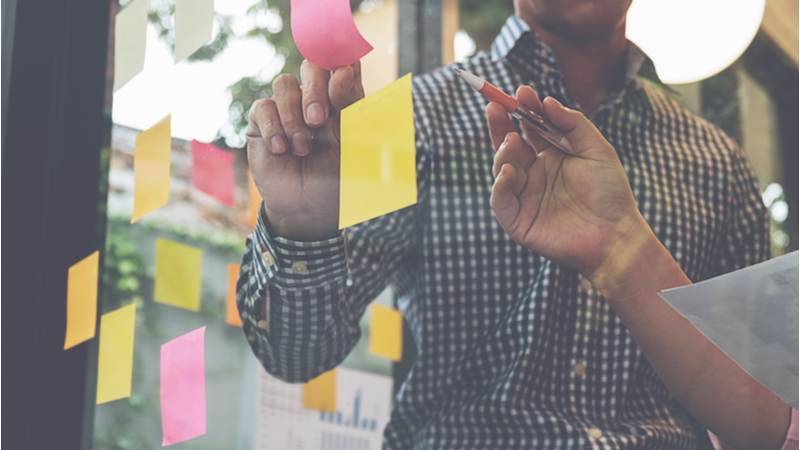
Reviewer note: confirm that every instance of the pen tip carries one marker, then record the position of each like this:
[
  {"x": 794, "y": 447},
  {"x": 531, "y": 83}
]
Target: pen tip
[{"x": 457, "y": 70}]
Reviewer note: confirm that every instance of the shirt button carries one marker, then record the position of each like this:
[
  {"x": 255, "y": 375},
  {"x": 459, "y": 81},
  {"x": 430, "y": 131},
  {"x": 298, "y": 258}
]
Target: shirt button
[
  {"x": 580, "y": 369},
  {"x": 263, "y": 324},
  {"x": 586, "y": 285},
  {"x": 267, "y": 258},
  {"x": 299, "y": 267},
  {"x": 594, "y": 433}
]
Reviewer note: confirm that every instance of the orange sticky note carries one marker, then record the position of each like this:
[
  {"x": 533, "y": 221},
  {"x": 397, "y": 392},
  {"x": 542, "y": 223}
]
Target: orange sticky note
[
  {"x": 82, "y": 300},
  {"x": 151, "y": 169},
  {"x": 386, "y": 332},
  {"x": 378, "y": 172},
  {"x": 232, "y": 316},
  {"x": 320, "y": 393},
  {"x": 178, "y": 278},
  {"x": 115, "y": 358},
  {"x": 255, "y": 200}
]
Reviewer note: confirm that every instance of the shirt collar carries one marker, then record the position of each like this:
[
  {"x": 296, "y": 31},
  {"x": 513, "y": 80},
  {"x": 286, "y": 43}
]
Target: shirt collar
[{"x": 639, "y": 64}]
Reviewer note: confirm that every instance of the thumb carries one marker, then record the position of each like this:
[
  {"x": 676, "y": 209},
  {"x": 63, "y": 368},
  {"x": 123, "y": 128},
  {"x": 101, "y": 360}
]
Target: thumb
[
  {"x": 503, "y": 202},
  {"x": 581, "y": 133}
]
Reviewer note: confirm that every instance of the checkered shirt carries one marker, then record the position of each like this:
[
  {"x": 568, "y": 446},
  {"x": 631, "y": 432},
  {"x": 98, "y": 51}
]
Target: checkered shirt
[{"x": 514, "y": 351}]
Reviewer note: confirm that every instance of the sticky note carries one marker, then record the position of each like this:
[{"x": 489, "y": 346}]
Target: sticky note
[
  {"x": 115, "y": 358},
  {"x": 378, "y": 167},
  {"x": 130, "y": 40},
  {"x": 212, "y": 171},
  {"x": 82, "y": 300},
  {"x": 151, "y": 169},
  {"x": 254, "y": 201},
  {"x": 386, "y": 332},
  {"x": 232, "y": 316},
  {"x": 319, "y": 394},
  {"x": 194, "y": 20},
  {"x": 183, "y": 388},
  {"x": 178, "y": 274},
  {"x": 325, "y": 33}
]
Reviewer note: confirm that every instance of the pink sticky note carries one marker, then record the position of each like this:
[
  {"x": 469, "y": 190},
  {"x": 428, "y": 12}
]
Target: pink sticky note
[
  {"x": 212, "y": 171},
  {"x": 325, "y": 33},
  {"x": 183, "y": 388}
]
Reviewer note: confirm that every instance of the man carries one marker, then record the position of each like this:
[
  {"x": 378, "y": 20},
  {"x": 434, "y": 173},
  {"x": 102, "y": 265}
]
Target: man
[{"x": 515, "y": 351}]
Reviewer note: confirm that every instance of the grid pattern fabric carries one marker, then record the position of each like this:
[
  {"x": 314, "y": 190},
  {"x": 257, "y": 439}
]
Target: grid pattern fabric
[{"x": 514, "y": 350}]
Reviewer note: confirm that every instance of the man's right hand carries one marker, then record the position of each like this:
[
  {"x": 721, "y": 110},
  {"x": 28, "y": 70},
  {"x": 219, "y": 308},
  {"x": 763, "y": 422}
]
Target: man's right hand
[{"x": 293, "y": 149}]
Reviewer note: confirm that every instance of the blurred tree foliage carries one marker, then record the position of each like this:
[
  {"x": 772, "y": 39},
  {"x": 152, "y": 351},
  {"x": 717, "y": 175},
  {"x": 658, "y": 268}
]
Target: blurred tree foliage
[
  {"x": 480, "y": 19},
  {"x": 483, "y": 20}
]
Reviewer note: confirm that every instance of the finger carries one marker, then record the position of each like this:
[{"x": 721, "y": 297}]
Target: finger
[
  {"x": 264, "y": 127},
  {"x": 345, "y": 87},
  {"x": 315, "y": 93},
  {"x": 503, "y": 202},
  {"x": 515, "y": 152},
  {"x": 528, "y": 98},
  {"x": 581, "y": 133},
  {"x": 288, "y": 98},
  {"x": 500, "y": 123}
]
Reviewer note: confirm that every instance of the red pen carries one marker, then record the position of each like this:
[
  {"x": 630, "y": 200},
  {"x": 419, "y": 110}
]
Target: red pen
[{"x": 541, "y": 125}]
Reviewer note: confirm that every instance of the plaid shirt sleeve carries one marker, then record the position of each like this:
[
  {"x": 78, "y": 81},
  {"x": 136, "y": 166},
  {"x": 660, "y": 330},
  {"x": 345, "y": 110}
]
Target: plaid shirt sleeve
[
  {"x": 300, "y": 302},
  {"x": 746, "y": 240}
]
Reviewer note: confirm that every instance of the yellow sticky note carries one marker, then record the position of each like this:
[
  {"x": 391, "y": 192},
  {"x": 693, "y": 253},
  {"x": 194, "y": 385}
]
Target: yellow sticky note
[
  {"x": 232, "y": 316},
  {"x": 254, "y": 202},
  {"x": 194, "y": 20},
  {"x": 115, "y": 358},
  {"x": 151, "y": 169},
  {"x": 320, "y": 393},
  {"x": 82, "y": 300},
  {"x": 178, "y": 279},
  {"x": 378, "y": 168},
  {"x": 130, "y": 40},
  {"x": 386, "y": 332}
]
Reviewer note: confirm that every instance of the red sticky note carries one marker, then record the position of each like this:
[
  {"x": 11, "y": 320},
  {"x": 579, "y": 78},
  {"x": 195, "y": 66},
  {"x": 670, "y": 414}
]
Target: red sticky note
[
  {"x": 183, "y": 388},
  {"x": 325, "y": 33},
  {"x": 212, "y": 171},
  {"x": 232, "y": 316}
]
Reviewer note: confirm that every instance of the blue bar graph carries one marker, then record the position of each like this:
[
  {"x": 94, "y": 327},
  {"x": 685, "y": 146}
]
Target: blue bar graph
[{"x": 352, "y": 422}]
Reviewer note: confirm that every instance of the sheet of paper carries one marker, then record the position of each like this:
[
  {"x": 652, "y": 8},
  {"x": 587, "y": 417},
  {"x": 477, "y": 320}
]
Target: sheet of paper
[
  {"x": 178, "y": 275},
  {"x": 254, "y": 200},
  {"x": 386, "y": 332},
  {"x": 130, "y": 40},
  {"x": 212, "y": 171},
  {"x": 232, "y": 312},
  {"x": 82, "y": 300},
  {"x": 151, "y": 169},
  {"x": 363, "y": 410},
  {"x": 183, "y": 387},
  {"x": 752, "y": 315},
  {"x": 194, "y": 20},
  {"x": 378, "y": 166},
  {"x": 325, "y": 33},
  {"x": 115, "y": 358},
  {"x": 319, "y": 394}
]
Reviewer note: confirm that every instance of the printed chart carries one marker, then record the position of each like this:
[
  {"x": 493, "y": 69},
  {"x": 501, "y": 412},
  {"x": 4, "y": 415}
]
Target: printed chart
[{"x": 363, "y": 409}]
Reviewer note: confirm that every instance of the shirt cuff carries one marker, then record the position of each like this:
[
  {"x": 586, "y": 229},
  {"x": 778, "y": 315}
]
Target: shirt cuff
[{"x": 294, "y": 265}]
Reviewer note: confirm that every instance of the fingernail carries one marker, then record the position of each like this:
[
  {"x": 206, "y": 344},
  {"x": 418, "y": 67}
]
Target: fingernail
[
  {"x": 278, "y": 145},
  {"x": 315, "y": 113},
  {"x": 301, "y": 144}
]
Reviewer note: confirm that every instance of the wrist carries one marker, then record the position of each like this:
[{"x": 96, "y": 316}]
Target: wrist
[
  {"x": 636, "y": 265},
  {"x": 306, "y": 227}
]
